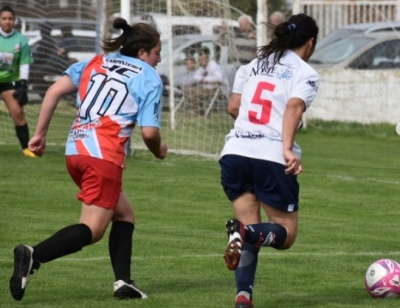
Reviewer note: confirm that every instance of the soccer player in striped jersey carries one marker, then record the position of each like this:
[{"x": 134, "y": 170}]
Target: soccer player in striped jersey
[
  {"x": 260, "y": 160},
  {"x": 15, "y": 58},
  {"x": 114, "y": 92}
]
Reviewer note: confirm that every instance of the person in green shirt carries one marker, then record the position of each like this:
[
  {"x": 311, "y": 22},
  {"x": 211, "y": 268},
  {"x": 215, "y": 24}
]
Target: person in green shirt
[{"x": 15, "y": 58}]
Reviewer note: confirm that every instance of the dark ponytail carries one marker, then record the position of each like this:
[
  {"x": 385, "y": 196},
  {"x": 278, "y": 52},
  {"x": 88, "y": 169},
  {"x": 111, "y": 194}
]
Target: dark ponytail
[
  {"x": 132, "y": 39},
  {"x": 290, "y": 34}
]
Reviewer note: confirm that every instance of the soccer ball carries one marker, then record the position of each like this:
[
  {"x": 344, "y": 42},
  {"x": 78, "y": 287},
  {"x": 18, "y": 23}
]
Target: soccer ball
[{"x": 382, "y": 279}]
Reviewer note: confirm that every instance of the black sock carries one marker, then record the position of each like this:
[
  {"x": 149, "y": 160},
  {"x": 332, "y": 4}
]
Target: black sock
[
  {"x": 120, "y": 249},
  {"x": 66, "y": 241},
  {"x": 23, "y": 135},
  {"x": 266, "y": 234}
]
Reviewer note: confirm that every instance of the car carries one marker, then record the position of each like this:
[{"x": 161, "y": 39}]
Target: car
[
  {"x": 182, "y": 25},
  {"x": 358, "y": 28},
  {"x": 86, "y": 40},
  {"x": 378, "y": 50},
  {"x": 29, "y": 24}
]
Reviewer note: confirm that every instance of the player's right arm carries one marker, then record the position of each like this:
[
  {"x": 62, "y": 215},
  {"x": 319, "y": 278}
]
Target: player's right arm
[
  {"x": 61, "y": 87},
  {"x": 149, "y": 116}
]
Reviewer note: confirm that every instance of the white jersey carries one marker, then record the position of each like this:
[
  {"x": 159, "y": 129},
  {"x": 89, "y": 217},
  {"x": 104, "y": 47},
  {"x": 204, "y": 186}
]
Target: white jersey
[{"x": 265, "y": 91}]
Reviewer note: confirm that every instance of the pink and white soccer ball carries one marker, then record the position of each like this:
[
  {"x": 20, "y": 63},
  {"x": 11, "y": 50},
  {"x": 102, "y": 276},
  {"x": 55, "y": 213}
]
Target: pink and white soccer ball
[{"x": 382, "y": 279}]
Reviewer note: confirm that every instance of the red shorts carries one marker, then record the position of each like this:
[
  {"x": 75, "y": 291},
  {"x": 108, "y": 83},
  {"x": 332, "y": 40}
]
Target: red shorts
[{"x": 100, "y": 181}]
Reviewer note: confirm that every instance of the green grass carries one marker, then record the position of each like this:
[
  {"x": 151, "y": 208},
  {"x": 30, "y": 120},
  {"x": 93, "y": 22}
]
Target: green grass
[{"x": 349, "y": 217}]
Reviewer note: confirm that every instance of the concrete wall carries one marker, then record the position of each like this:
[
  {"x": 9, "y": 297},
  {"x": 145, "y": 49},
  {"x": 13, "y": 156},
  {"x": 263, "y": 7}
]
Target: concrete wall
[{"x": 357, "y": 96}]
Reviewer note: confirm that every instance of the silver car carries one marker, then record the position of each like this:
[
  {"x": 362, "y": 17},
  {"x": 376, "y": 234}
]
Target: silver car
[
  {"x": 380, "y": 50},
  {"x": 359, "y": 28}
]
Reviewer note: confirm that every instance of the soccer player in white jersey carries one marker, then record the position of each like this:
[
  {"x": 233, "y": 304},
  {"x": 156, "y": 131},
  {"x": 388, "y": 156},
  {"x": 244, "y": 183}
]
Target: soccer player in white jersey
[
  {"x": 113, "y": 93},
  {"x": 15, "y": 59},
  {"x": 260, "y": 160}
]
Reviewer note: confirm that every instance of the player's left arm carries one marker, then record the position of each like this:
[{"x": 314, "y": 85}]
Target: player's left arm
[
  {"x": 303, "y": 94},
  {"x": 291, "y": 120}
]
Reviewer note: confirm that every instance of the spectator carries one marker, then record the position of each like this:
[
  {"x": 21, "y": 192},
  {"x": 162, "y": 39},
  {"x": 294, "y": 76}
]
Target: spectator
[
  {"x": 210, "y": 74},
  {"x": 276, "y": 18},
  {"x": 46, "y": 59},
  {"x": 187, "y": 78},
  {"x": 209, "y": 77},
  {"x": 47, "y": 46},
  {"x": 246, "y": 27},
  {"x": 14, "y": 73},
  {"x": 67, "y": 44},
  {"x": 245, "y": 40}
]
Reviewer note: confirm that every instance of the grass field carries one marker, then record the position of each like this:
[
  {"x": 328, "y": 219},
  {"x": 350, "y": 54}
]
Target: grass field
[{"x": 349, "y": 217}]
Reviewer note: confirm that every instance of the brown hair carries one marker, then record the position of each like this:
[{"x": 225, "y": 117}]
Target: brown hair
[{"x": 133, "y": 38}]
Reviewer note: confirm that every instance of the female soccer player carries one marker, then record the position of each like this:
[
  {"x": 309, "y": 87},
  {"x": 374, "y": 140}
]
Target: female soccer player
[
  {"x": 14, "y": 72},
  {"x": 114, "y": 91},
  {"x": 260, "y": 160}
]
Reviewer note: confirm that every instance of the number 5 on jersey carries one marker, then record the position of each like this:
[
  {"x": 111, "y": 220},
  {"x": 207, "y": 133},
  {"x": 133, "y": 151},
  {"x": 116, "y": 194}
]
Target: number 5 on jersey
[{"x": 261, "y": 114}]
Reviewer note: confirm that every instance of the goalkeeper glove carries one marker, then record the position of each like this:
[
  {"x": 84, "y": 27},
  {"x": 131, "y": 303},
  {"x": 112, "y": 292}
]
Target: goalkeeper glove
[{"x": 21, "y": 92}]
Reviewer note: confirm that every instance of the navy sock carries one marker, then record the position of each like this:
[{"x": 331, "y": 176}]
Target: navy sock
[
  {"x": 246, "y": 271},
  {"x": 120, "y": 249},
  {"x": 64, "y": 242},
  {"x": 266, "y": 234}
]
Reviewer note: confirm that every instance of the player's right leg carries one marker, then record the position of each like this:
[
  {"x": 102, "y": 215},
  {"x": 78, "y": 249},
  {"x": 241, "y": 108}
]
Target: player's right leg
[{"x": 120, "y": 249}]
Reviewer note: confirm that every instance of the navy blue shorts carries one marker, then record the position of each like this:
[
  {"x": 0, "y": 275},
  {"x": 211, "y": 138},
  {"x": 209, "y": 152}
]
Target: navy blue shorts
[
  {"x": 5, "y": 86},
  {"x": 267, "y": 180}
]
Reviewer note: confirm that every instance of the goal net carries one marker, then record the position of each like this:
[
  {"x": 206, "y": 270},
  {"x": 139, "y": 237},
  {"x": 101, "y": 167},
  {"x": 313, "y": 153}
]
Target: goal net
[{"x": 195, "y": 119}]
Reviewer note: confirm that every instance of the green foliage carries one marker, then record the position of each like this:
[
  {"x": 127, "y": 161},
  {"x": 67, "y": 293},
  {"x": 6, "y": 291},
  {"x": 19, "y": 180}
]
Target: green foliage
[{"x": 348, "y": 219}]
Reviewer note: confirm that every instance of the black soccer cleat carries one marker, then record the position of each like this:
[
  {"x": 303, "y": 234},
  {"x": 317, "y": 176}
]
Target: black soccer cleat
[
  {"x": 123, "y": 290},
  {"x": 24, "y": 265}
]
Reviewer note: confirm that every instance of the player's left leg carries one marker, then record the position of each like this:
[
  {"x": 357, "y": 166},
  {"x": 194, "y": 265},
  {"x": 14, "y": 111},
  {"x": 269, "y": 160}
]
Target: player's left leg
[{"x": 282, "y": 226}]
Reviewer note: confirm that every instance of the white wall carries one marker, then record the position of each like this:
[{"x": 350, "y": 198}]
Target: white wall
[{"x": 358, "y": 96}]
